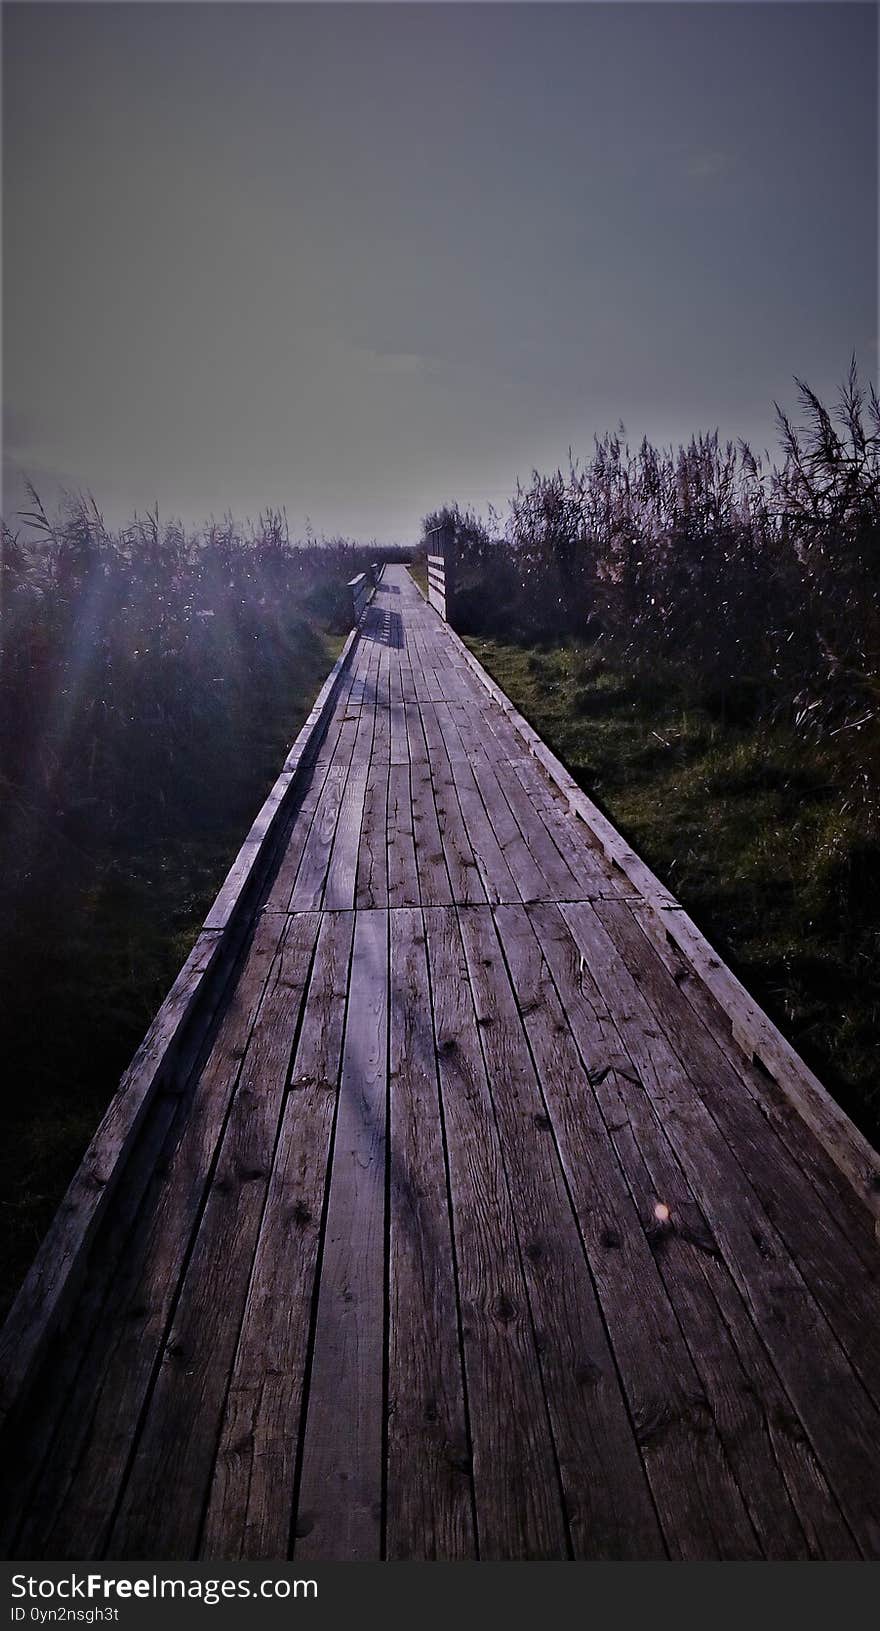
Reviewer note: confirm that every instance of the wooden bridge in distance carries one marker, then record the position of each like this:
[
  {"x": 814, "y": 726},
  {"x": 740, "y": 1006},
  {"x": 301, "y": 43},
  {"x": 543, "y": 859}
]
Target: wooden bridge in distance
[{"x": 460, "y": 1224}]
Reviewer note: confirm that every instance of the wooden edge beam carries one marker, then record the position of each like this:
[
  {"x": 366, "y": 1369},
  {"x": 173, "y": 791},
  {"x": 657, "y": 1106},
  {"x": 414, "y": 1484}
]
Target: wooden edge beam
[
  {"x": 274, "y": 808},
  {"x": 751, "y": 1028},
  {"x": 56, "y": 1272}
]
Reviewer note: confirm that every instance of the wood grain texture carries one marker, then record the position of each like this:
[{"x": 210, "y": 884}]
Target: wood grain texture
[
  {"x": 250, "y": 1507},
  {"x": 609, "y": 1507},
  {"x": 340, "y": 1502},
  {"x": 161, "y": 1509},
  {"x": 518, "y": 1498},
  {"x": 430, "y": 1513},
  {"x": 464, "y": 1224},
  {"x": 805, "y": 1350},
  {"x": 781, "y": 1484}
]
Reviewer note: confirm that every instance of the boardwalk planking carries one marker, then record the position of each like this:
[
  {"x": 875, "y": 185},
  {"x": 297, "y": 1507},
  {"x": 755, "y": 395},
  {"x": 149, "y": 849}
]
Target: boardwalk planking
[
  {"x": 340, "y": 1500},
  {"x": 518, "y": 1499},
  {"x": 769, "y": 1460},
  {"x": 607, "y": 1502},
  {"x": 251, "y": 1496},
  {"x": 386, "y": 1275},
  {"x": 430, "y": 1510},
  {"x": 164, "y": 1497},
  {"x": 805, "y": 1350}
]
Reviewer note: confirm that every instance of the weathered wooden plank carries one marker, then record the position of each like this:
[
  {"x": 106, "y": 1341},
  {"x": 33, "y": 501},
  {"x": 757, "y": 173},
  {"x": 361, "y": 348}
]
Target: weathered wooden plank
[
  {"x": 341, "y": 878},
  {"x": 782, "y": 1486},
  {"x": 372, "y": 858},
  {"x": 430, "y": 1512},
  {"x": 434, "y": 883},
  {"x": 341, "y": 884},
  {"x": 610, "y": 1508},
  {"x": 593, "y": 874},
  {"x": 372, "y": 865},
  {"x": 250, "y": 1507},
  {"x": 428, "y": 687},
  {"x": 499, "y": 828},
  {"x": 407, "y": 683},
  {"x": 308, "y": 890},
  {"x": 435, "y": 886},
  {"x": 560, "y": 882},
  {"x": 615, "y": 847},
  {"x": 381, "y": 749},
  {"x": 69, "y": 1512},
  {"x": 835, "y": 1194},
  {"x": 464, "y": 875},
  {"x": 846, "y": 1289},
  {"x": 518, "y": 1499},
  {"x": 415, "y": 736},
  {"x": 313, "y": 776},
  {"x": 759, "y": 1038},
  {"x": 277, "y": 899},
  {"x": 340, "y": 1498},
  {"x": 346, "y": 707},
  {"x": 167, "y": 1485},
  {"x": 397, "y": 716},
  {"x": 403, "y": 876},
  {"x": 805, "y": 1351}
]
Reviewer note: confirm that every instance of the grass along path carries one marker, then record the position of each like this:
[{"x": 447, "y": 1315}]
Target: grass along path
[
  {"x": 418, "y": 571},
  {"x": 744, "y": 824}
]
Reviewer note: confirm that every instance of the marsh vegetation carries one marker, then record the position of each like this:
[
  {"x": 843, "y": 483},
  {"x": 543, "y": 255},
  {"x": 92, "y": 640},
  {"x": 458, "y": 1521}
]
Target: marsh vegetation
[
  {"x": 696, "y": 632},
  {"x": 151, "y": 681}
]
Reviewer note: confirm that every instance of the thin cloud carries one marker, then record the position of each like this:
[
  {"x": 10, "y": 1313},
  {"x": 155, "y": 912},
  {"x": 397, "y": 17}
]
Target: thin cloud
[{"x": 708, "y": 166}]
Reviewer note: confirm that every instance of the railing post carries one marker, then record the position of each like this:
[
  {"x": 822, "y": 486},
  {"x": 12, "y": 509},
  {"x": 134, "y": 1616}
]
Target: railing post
[{"x": 441, "y": 570}]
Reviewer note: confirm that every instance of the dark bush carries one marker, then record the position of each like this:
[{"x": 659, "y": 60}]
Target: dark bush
[{"x": 759, "y": 587}]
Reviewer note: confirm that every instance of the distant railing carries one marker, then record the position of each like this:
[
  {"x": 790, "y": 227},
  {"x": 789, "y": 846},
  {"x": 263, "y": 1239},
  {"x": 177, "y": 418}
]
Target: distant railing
[
  {"x": 361, "y": 589},
  {"x": 440, "y": 573}
]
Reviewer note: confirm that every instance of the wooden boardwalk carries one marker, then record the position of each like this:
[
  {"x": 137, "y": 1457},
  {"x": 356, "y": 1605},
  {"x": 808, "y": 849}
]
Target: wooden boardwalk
[{"x": 470, "y": 1232}]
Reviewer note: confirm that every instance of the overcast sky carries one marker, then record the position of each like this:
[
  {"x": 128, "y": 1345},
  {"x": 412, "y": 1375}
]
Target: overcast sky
[{"x": 364, "y": 259}]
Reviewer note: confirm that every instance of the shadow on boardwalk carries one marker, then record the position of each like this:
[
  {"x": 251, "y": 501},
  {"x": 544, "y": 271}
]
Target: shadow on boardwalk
[{"x": 471, "y": 1233}]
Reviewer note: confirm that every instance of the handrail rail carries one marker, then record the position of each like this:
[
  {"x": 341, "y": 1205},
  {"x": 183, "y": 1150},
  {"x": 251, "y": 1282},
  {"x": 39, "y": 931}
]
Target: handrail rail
[{"x": 362, "y": 588}]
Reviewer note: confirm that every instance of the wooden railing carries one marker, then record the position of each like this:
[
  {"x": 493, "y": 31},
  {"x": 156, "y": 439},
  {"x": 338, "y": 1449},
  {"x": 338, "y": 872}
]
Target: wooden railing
[
  {"x": 437, "y": 583},
  {"x": 362, "y": 587},
  {"x": 440, "y": 584}
]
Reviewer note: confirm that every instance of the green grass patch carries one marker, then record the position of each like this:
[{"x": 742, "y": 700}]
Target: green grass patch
[
  {"x": 745, "y": 825},
  {"x": 418, "y": 570}
]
